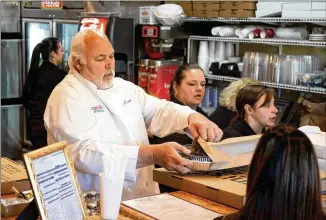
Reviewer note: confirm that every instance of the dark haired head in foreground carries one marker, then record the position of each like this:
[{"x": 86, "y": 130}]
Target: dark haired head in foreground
[{"x": 283, "y": 179}]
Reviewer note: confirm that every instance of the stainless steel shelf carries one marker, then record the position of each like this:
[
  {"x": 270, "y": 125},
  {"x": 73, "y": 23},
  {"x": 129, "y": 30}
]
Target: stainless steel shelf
[
  {"x": 319, "y": 21},
  {"x": 272, "y": 41},
  {"x": 318, "y": 90}
]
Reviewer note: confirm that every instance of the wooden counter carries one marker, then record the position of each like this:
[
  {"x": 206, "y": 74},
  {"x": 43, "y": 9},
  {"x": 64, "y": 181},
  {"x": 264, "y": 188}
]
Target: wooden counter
[{"x": 128, "y": 213}]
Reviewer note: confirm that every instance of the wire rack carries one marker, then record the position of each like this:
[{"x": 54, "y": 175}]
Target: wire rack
[
  {"x": 271, "y": 41},
  {"x": 318, "y": 90}
]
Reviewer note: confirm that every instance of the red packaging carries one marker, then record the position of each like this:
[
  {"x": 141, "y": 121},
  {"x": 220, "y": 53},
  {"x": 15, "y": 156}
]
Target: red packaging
[
  {"x": 160, "y": 77},
  {"x": 255, "y": 33},
  {"x": 143, "y": 71},
  {"x": 267, "y": 33}
]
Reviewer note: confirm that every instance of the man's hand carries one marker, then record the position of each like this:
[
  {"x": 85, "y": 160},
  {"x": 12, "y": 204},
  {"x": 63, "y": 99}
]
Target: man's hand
[
  {"x": 167, "y": 156},
  {"x": 199, "y": 125}
]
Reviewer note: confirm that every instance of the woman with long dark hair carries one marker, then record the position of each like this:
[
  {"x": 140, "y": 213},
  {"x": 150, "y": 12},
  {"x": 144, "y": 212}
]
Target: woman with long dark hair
[
  {"x": 255, "y": 111},
  {"x": 283, "y": 179},
  {"x": 41, "y": 80}
]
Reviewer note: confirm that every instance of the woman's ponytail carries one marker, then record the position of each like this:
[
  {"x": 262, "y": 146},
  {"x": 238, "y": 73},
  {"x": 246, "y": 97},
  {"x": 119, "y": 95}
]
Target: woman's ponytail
[
  {"x": 31, "y": 80},
  {"x": 35, "y": 60}
]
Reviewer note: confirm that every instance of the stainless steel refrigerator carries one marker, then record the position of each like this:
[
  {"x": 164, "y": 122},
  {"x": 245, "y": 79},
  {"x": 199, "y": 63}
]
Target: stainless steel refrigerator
[
  {"x": 11, "y": 80},
  {"x": 11, "y": 89},
  {"x": 35, "y": 30}
]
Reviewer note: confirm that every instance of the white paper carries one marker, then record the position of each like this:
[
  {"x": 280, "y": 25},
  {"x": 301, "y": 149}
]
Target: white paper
[
  {"x": 317, "y": 138},
  {"x": 233, "y": 147},
  {"x": 56, "y": 186},
  {"x": 165, "y": 206}
]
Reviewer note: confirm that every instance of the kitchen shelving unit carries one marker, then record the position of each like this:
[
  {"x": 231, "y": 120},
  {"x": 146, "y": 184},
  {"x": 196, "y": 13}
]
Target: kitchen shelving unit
[
  {"x": 270, "y": 41},
  {"x": 318, "y": 90},
  {"x": 193, "y": 44},
  {"x": 270, "y": 20}
]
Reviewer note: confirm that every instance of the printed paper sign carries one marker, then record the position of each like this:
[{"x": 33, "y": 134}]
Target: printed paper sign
[{"x": 50, "y": 4}]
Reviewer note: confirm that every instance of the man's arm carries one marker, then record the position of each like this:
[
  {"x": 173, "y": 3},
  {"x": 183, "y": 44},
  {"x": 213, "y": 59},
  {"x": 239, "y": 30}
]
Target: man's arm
[
  {"x": 163, "y": 118},
  {"x": 67, "y": 119},
  {"x": 165, "y": 155}
]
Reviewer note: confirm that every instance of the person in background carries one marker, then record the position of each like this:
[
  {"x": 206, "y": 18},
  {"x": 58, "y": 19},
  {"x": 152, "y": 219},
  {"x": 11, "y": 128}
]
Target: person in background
[
  {"x": 226, "y": 110},
  {"x": 187, "y": 89},
  {"x": 40, "y": 82},
  {"x": 283, "y": 179},
  {"x": 256, "y": 111},
  {"x": 99, "y": 114}
]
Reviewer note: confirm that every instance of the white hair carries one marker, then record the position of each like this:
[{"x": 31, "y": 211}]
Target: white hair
[
  {"x": 77, "y": 48},
  {"x": 229, "y": 94}
]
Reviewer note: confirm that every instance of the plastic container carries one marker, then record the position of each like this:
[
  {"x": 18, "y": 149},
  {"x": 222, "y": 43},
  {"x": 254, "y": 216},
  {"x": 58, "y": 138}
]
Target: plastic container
[
  {"x": 170, "y": 15},
  {"x": 311, "y": 79}
]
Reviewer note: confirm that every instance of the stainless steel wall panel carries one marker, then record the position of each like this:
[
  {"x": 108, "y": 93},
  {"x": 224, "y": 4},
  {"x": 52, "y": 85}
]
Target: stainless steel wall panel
[
  {"x": 12, "y": 131},
  {"x": 11, "y": 68},
  {"x": 130, "y": 9},
  {"x": 10, "y": 16},
  {"x": 57, "y": 14}
]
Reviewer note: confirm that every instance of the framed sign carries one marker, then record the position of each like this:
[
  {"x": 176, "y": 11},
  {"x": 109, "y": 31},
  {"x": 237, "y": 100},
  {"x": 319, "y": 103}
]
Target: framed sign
[
  {"x": 54, "y": 183},
  {"x": 51, "y": 4}
]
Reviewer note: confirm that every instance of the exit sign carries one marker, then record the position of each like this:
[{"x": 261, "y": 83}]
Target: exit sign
[{"x": 49, "y": 4}]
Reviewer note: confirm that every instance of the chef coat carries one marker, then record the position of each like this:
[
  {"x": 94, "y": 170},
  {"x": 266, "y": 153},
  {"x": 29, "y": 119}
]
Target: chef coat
[{"x": 94, "y": 122}]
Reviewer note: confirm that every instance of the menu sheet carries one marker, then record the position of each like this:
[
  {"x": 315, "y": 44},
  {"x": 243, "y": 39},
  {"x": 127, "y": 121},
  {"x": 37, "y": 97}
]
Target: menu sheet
[
  {"x": 165, "y": 206},
  {"x": 56, "y": 186}
]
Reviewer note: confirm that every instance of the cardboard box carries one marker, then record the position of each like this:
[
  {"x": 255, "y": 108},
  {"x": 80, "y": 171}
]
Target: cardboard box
[
  {"x": 207, "y": 6},
  {"x": 237, "y": 13},
  {"x": 303, "y": 14},
  {"x": 304, "y": 6},
  {"x": 146, "y": 15},
  {"x": 273, "y": 10},
  {"x": 13, "y": 174},
  {"x": 225, "y": 186},
  {"x": 319, "y": 142},
  {"x": 238, "y": 5},
  {"x": 297, "y": 6},
  {"x": 189, "y": 13},
  {"x": 13, "y": 206},
  {"x": 206, "y": 14},
  {"x": 229, "y": 153},
  {"x": 264, "y": 5},
  {"x": 186, "y": 5},
  {"x": 318, "y": 6}
]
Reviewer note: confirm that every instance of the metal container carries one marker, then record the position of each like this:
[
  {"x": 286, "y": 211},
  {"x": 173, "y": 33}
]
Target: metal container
[{"x": 160, "y": 76}]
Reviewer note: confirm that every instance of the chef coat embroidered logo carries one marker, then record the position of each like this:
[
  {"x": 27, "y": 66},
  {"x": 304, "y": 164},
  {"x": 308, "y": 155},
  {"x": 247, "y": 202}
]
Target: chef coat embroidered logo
[
  {"x": 126, "y": 102},
  {"x": 97, "y": 109}
]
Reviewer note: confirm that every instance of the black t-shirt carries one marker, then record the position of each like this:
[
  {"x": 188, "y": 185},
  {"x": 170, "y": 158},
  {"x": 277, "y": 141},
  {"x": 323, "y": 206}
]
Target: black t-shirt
[
  {"x": 239, "y": 128},
  {"x": 222, "y": 117}
]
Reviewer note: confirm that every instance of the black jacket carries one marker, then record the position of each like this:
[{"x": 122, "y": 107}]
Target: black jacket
[
  {"x": 182, "y": 139},
  {"x": 37, "y": 90},
  {"x": 222, "y": 117},
  {"x": 40, "y": 84},
  {"x": 238, "y": 129}
]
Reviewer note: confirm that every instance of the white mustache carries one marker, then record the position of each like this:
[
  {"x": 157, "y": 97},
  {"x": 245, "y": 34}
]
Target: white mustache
[{"x": 111, "y": 71}]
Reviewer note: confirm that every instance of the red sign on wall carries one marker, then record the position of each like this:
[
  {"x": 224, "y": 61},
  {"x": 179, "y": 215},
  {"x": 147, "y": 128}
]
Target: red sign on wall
[
  {"x": 50, "y": 4},
  {"x": 94, "y": 23}
]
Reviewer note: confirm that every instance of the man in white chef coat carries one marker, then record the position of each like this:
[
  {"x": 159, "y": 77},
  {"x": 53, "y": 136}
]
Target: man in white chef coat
[{"x": 97, "y": 114}]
